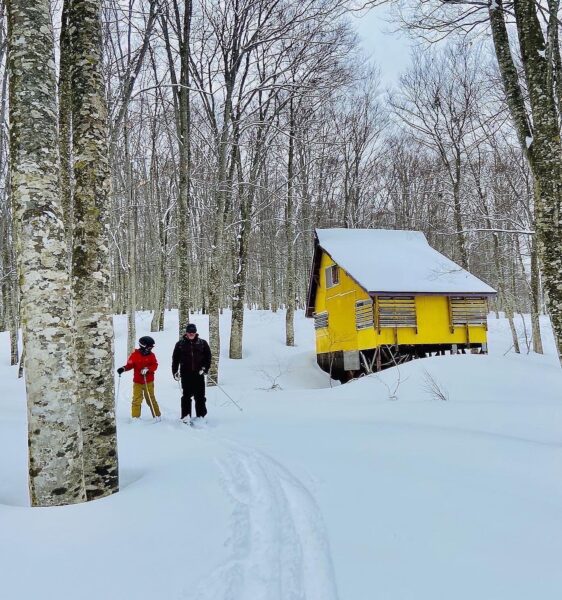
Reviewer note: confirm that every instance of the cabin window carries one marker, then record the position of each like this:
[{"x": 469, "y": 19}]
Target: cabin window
[
  {"x": 364, "y": 314},
  {"x": 466, "y": 310},
  {"x": 396, "y": 311},
  {"x": 320, "y": 320},
  {"x": 332, "y": 276}
]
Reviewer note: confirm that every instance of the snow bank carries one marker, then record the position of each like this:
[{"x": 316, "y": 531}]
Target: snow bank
[{"x": 312, "y": 491}]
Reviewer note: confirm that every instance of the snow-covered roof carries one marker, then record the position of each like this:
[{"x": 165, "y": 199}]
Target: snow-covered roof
[{"x": 385, "y": 260}]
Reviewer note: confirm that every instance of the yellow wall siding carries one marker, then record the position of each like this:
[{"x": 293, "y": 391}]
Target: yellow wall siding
[
  {"x": 339, "y": 301},
  {"x": 432, "y": 314},
  {"x": 434, "y": 324}
]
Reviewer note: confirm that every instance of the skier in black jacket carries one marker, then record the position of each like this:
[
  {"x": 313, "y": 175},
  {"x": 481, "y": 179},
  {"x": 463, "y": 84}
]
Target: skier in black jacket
[{"x": 192, "y": 356}]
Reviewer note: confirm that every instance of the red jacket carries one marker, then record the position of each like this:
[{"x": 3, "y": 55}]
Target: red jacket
[{"x": 138, "y": 361}]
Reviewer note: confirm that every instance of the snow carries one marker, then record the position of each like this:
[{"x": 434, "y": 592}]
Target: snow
[
  {"x": 384, "y": 260},
  {"x": 314, "y": 491}
]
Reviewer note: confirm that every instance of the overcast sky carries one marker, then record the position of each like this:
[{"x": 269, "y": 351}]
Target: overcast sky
[{"x": 389, "y": 49}]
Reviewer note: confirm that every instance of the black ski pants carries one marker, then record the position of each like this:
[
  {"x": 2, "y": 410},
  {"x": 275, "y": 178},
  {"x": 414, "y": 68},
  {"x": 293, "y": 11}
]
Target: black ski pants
[{"x": 193, "y": 386}]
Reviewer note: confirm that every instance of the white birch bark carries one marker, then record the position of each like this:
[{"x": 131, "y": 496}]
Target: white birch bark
[
  {"x": 55, "y": 438},
  {"x": 91, "y": 259}
]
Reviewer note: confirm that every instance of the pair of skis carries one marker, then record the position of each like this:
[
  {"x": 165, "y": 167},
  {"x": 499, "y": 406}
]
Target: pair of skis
[{"x": 193, "y": 422}]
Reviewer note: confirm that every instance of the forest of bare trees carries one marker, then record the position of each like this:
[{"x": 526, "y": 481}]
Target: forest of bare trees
[{"x": 218, "y": 134}]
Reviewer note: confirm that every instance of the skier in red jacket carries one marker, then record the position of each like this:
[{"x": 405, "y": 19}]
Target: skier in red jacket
[{"x": 144, "y": 363}]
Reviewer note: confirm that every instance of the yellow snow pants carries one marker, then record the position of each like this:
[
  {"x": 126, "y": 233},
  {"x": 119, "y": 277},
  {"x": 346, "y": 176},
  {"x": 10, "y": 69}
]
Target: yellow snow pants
[{"x": 146, "y": 391}]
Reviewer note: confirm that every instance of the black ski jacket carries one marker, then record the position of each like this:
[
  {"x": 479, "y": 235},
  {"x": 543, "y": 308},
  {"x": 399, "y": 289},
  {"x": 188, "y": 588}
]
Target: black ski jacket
[{"x": 191, "y": 356}]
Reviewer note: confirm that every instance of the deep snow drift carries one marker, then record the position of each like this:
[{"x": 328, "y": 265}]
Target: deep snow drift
[{"x": 371, "y": 490}]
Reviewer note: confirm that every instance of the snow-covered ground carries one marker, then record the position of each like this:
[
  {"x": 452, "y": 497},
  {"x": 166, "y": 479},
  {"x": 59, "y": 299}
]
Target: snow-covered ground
[{"x": 371, "y": 490}]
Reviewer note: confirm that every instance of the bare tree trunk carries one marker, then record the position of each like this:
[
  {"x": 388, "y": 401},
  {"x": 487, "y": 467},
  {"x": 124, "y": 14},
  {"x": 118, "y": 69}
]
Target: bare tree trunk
[
  {"x": 10, "y": 295},
  {"x": 9, "y": 291},
  {"x": 9, "y": 298},
  {"x": 132, "y": 220},
  {"x": 457, "y": 209},
  {"x": 157, "y": 323},
  {"x": 533, "y": 288},
  {"x": 239, "y": 284},
  {"x": 14, "y": 347},
  {"x": 241, "y": 272},
  {"x": 182, "y": 109},
  {"x": 535, "y": 299},
  {"x": 223, "y": 189},
  {"x": 184, "y": 201},
  {"x": 91, "y": 259},
  {"x": 54, "y": 434},
  {"x": 289, "y": 235},
  {"x": 20, "y": 375},
  {"x": 508, "y": 298}
]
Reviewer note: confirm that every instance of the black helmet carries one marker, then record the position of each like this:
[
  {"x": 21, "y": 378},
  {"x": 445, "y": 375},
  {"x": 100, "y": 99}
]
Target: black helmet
[
  {"x": 190, "y": 328},
  {"x": 146, "y": 343}
]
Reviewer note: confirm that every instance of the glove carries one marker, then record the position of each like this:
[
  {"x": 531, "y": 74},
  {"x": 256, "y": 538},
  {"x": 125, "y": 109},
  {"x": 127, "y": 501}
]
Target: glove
[
  {"x": 203, "y": 371},
  {"x": 121, "y": 370},
  {"x": 144, "y": 371},
  {"x": 177, "y": 376}
]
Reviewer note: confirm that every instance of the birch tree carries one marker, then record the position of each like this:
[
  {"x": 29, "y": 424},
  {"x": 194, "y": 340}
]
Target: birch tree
[
  {"x": 90, "y": 260},
  {"x": 54, "y": 433}
]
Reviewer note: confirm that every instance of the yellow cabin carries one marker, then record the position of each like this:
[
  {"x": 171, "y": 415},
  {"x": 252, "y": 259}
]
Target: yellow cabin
[{"x": 379, "y": 297}]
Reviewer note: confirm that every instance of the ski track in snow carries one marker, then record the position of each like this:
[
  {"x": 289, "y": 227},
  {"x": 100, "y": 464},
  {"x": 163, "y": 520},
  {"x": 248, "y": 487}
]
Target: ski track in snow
[{"x": 278, "y": 543}]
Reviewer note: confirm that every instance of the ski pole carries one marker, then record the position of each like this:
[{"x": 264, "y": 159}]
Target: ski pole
[
  {"x": 118, "y": 388},
  {"x": 149, "y": 402},
  {"x": 227, "y": 395}
]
